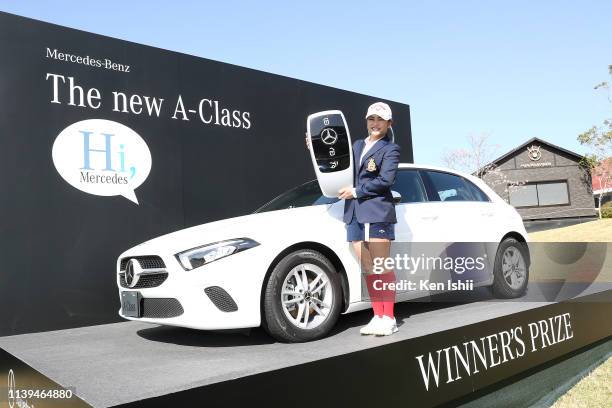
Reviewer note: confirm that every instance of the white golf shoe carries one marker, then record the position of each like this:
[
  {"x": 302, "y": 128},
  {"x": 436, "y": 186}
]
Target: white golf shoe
[
  {"x": 372, "y": 327},
  {"x": 386, "y": 327}
]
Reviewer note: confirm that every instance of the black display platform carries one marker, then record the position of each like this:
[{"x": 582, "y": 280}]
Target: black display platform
[{"x": 147, "y": 365}]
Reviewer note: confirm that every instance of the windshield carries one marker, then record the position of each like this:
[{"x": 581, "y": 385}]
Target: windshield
[{"x": 305, "y": 195}]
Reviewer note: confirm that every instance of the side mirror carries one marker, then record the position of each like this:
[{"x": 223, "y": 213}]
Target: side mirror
[{"x": 397, "y": 197}]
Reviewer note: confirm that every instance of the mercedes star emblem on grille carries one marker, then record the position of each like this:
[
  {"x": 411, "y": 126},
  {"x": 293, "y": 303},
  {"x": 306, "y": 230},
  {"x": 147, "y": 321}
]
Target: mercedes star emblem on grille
[
  {"x": 329, "y": 136},
  {"x": 132, "y": 272}
]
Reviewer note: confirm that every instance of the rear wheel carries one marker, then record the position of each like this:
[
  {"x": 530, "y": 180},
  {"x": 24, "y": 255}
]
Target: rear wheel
[
  {"x": 302, "y": 297},
  {"x": 511, "y": 272}
]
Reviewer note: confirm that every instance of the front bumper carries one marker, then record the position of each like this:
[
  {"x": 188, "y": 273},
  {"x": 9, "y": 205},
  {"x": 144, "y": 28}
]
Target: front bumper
[{"x": 224, "y": 294}]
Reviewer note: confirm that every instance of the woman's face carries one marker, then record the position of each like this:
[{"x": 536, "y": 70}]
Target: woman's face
[{"x": 377, "y": 126}]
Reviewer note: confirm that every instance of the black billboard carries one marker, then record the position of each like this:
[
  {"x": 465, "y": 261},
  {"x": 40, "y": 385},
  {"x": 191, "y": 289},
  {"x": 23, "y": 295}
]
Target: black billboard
[{"x": 212, "y": 141}]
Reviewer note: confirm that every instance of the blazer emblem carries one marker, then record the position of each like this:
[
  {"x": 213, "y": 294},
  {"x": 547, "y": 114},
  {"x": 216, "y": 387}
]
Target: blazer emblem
[{"x": 371, "y": 165}]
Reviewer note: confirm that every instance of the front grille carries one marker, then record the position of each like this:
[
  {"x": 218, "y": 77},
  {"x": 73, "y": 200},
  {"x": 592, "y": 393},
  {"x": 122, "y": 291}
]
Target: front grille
[
  {"x": 161, "y": 307},
  {"x": 147, "y": 262},
  {"x": 149, "y": 280},
  {"x": 221, "y": 299}
]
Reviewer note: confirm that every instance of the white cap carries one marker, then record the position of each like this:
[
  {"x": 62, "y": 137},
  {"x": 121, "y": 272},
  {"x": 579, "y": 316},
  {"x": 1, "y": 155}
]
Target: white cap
[{"x": 381, "y": 109}]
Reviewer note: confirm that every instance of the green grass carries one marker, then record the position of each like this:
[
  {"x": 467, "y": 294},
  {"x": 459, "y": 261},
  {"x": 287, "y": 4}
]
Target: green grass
[
  {"x": 593, "y": 231},
  {"x": 593, "y": 391},
  {"x": 543, "y": 269}
]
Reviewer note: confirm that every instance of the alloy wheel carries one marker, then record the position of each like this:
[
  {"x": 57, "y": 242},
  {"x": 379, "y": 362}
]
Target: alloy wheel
[{"x": 306, "y": 296}]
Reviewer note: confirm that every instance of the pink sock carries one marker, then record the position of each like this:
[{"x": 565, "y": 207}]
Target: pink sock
[
  {"x": 378, "y": 308},
  {"x": 375, "y": 295},
  {"x": 388, "y": 297}
]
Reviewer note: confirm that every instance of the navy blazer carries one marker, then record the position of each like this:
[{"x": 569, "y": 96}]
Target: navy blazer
[{"x": 373, "y": 179}]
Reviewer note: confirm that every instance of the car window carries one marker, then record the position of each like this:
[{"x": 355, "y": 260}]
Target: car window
[
  {"x": 477, "y": 193},
  {"x": 409, "y": 184},
  {"x": 448, "y": 187},
  {"x": 305, "y": 195}
]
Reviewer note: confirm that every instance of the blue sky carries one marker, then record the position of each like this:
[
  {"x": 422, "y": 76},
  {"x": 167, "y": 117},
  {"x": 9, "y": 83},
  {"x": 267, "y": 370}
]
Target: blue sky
[{"x": 514, "y": 69}]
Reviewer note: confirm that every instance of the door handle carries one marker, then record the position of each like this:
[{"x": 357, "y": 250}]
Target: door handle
[
  {"x": 487, "y": 214},
  {"x": 429, "y": 217}
]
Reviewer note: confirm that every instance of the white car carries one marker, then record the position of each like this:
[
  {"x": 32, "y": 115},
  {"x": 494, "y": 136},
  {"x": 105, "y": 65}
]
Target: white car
[{"x": 288, "y": 267}]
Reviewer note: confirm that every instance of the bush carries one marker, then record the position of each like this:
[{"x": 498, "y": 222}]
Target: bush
[{"x": 606, "y": 211}]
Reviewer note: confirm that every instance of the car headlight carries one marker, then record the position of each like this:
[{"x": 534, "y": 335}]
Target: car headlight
[{"x": 203, "y": 255}]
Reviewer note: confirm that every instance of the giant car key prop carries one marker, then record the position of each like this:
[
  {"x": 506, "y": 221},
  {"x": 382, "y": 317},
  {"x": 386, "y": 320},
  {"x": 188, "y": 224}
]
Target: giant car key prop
[{"x": 331, "y": 151}]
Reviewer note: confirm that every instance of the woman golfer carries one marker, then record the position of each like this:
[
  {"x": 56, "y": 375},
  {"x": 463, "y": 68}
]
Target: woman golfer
[{"x": 369, "y": 213}]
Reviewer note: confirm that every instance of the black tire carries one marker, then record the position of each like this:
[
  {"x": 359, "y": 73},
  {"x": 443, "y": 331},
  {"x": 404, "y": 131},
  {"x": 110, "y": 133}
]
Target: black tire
[
  {"x": 501, "y": 287},
  {"x": 275, "y": 320}
]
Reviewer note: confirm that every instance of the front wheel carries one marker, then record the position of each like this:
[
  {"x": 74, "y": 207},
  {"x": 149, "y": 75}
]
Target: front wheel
[
  {"x": 302, "y": 297},
  {"x": 511, "y": 272}
]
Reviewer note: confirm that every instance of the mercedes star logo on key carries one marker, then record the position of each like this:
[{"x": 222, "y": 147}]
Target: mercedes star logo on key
[{"x": 329, "y": 136}]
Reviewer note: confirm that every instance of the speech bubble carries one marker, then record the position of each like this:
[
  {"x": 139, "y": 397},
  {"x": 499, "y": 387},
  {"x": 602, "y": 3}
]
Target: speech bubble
[{"x": 102, "y": 157}]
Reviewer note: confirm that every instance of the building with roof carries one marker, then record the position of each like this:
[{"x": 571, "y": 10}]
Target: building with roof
[{"x": 543, "y": 181}]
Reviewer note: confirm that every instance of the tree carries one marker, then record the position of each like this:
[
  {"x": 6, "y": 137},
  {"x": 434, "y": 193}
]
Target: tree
[
  {"x": 599, "y": 141},
  {"x": 605, "y": 85},
  {"x": 477, "y": 159}
]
